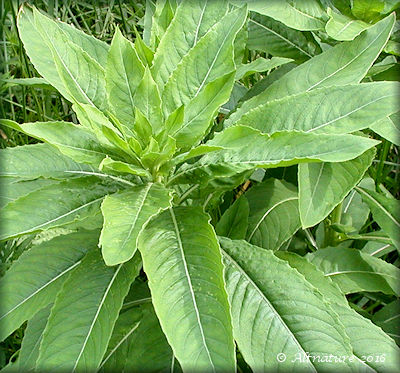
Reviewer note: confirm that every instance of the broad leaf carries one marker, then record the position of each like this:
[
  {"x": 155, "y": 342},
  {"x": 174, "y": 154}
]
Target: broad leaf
[
  {"x": 276, "y": 311},
  {"x": 322, "y": 186},
  {"x": 388, "y": 128},
  {"x": 79, "y": 343},
  {"x": 355, "y": 271},
  {"x": 186, "y": 268},
  {"x": 24, "y": 291},
  {"x": 274, "y": 213},
  {"x": 234, "y": 222},
  {"x": 125, "y": 215}
]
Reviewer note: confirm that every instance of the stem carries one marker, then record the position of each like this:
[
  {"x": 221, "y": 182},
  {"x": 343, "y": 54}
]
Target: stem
[
  {"x": 382, "y": 159},
  {"x": 331, "y": 236}
]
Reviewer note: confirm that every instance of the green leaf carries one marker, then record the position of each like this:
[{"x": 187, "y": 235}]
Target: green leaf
[
  {"x": 125, "y": 216},
  {"x": 191, "y": 22},
  {"x": 388, "y": 128},
  {"x": 138, "y": 343},
  {"x": 71, "y": 140},
  {"x": 387, "y": 319},
  {"x": 54, "y": 205},
  {"x": 147, "y": 100},
  {"x": 81, "y": 322},
  {"x": 260, "y": 65},
  {"x": 233, "y": 223},
  {"x": 274, "y": 213},
  {"x": 354, "y": 211},
  {"x": 275, "y": 310},
  {"x": 24, "y": 291},
  {"x": 161, "y": 18},
  {"x": 124, "y": 72},
  {"x": 341, "y": 27},
  {"x": 30, "y": 82},
  {"x": 109, "y": 165},
  {"x": 386, "y": 212},
  {"x": 186, "y": 269},
  {"x": 194, "y": 152},
  {"x": 355, "y": 271},
  {"x": 29, "y": 162},
  {"x": 345, "y": 63},
  {"x": 273, "y": 37},
  {"x": 299, "y": 15},
  {"x": 322, "y": 186},
  {"x": 367, "y": 10},
  {"x": 268, "y": 151},
  {"x": 369, "y": 342},
  {"x": 209, "y": 59},
  {"x": 356, "y": 107}
]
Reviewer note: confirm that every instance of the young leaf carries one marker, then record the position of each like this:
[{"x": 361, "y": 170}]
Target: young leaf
[
  {"x": 125, "y": 216},
  {"x": 322, "y": 186},
  {"x": 269, "y": 319},
  {"x": 192, "y": 280},
  {"x": 234, "y": 222},
  {"x": 79, "y": 343},
  {"x": 355, "y": 271},
  {"x": 260, "y": 65},
  {"x": 25, "y": 291},
  {"x": 274, "y": 213}
]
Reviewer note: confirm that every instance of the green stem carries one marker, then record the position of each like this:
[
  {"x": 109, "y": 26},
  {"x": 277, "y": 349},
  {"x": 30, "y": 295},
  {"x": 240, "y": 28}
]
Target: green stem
[
  {"x": 331, "y": 236},
  {"x": 382, "y": 159}
]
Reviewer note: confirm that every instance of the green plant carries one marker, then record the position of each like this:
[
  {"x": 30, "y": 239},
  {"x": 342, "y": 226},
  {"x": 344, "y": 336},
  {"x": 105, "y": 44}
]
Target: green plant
[{"x": 143, "y": 174}]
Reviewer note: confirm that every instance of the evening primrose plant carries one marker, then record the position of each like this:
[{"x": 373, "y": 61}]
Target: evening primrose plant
[{"x": 126, "y": 271}]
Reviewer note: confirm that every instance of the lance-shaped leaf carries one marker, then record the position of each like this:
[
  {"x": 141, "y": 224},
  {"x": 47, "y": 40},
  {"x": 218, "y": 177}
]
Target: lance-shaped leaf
[
  {"x": 387, "y": 318},
  {"x": 125, "y": 215},
  {"x": 211, "y": 58},
  {"x": 192, "y": 20},
  {"x": 124, "y": 72},
  {"x": 345, "y": 63},
  {"x": 355, "y": 271},
  {"x": 275, "y": 310},
  {"x": 386, "y": 212},
  {"x": 109, "y": 165},
  {"x": 138, "y": 344},
  {"x": 234, "y": 222},
  {"x": 273, "y": 37},
  {"x": 260, "y": 65},
  {"x": 322, "y": 186},
  {"x": 388, "y": 128},
  {"x": 274, "y": 213},
  {"x": 341, "y": 109},
  {"x": 29, "y": 162},
  {"x": 279, "y": 149},
  {"x": 24, "y": 291},
  {"x": 54, "y": 205},
  {"x": 79, "y": 343},
  {"x": 188, "y": 293},
  {"x": 366, "y": 338},
  {"x": 74, "y": 141}
]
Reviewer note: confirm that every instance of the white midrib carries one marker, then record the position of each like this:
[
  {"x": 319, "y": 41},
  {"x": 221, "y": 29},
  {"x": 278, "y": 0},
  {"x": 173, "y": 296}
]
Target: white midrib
[
  {"x": 190, "y": 286},
  {"x": 41, "y": 288},
  {"x": 267, "y": 213},
  {"x": 281, "y": 37},
  {"x": 379, "y": 205},
  {"x": 370, "y": 272},
  {"x": 315, "y": 189},
  {"x": 344, "y": 27},
  {"x": 263, "y": 297},
  {"x": 199, "y": 23},
  {"x": 103, "y": 299},
  {"x": 380, "y": 249}
]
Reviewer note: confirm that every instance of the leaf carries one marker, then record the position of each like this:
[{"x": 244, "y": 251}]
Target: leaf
[
  {"x": 54, "y": 205},
  {"x": 355, "y": 271},
  {"x": 147, "y": 100},
  {"x": 369, "y": 342},
  {"x": 194, "y": 152},
  {"x": 186, "y": 269},
  {"x": 274, "y": 213},
  {"x": 233, "y": 223},
  {"x": 79, "y": 343},
  {"x": 322, "y": 186},
  {"x": 336, "y": 66},
  {"x": 161, "y": 18},
  {"x": 341, "y": 27},
  {"x": 29, "y": 162},
  {"x": 139, "y": 346},
  {"x": 71, "y": 140},
  {"x": 385, "y": 211},
  {"x": 367, "y": 10},
  {"x": 299, "y": 15},
  {"x": 211, "y": 58},
  {"x": 354, "y": 211},
  {"x": 30, "y": 82},
  {"x": 260, "y": 65},
  {"x": 275, "y": 310},
  {"x": 273, "y": 37},
  {"x": 279, "y": 149},
  {"x": 388, "y": 128},
  {"x": 109, "y": 165},
  {"x": 124, "y": 72},
  {"x": 24, "y": 291},
  {"x": 340, "y": 109},
  {"x": 387, "y": 319},
  {"x": 125, "y": 216},
  {"x": 191, "y": 22}
]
